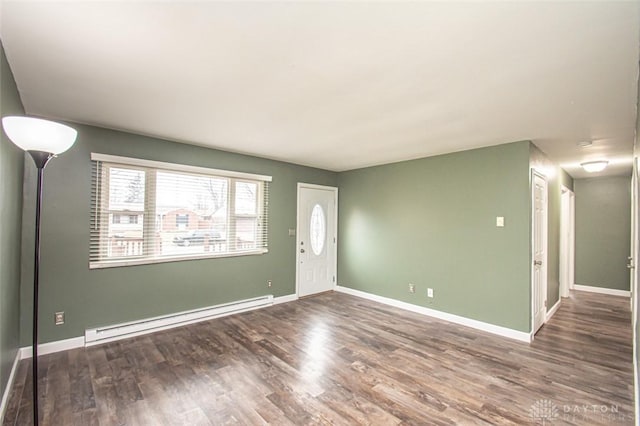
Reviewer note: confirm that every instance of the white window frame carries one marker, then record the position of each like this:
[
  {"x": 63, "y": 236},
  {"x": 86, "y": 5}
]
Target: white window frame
[
  {"x": 151, "y": 168},
  {"x": 233, "y": 216}
]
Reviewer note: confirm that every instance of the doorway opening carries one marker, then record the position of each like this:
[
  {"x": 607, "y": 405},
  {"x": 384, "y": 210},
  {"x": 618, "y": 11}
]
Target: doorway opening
[{"x": 567, "y": 241}]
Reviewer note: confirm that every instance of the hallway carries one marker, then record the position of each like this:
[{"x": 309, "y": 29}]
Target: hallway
[{"x": 589, "y": 345}]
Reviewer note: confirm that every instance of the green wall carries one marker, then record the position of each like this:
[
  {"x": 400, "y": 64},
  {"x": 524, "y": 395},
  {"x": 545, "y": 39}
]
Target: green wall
[
  {"x": 11, "y": 171},
  {"x": 603, "y": 229},
  {"x": 107, "y": 296},
  {"x": 432, "y": 222},
  {"x": 566, "y": 180}
]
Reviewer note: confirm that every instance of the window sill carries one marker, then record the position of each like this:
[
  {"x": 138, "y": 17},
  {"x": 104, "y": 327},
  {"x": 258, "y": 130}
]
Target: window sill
[{"x": 149, "y": 261}]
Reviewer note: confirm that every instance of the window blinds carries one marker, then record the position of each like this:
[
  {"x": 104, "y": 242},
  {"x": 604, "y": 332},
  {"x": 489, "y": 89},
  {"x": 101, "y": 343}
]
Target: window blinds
[{"x": 147, "y": 212}]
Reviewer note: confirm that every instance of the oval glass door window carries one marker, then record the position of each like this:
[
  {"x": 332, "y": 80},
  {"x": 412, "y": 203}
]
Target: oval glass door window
[{"x": 317, "y": 229}]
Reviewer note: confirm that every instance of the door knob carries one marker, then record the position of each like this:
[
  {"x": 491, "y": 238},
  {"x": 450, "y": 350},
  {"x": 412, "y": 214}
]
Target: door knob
[{"x": 301, "y": 250}]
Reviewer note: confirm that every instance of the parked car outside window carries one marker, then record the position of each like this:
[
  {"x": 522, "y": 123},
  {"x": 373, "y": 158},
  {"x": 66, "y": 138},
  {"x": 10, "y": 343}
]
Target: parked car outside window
[{"x": 197, "y": 237}]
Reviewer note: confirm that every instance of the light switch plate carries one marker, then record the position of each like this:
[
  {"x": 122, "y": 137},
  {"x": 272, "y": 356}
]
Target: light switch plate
[
  {"x": 292, "y": 232},
  {"x": 500, "y": 221}
]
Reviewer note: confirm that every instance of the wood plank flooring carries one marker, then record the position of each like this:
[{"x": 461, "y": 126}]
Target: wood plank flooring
[{"x": 337, "y": 359}]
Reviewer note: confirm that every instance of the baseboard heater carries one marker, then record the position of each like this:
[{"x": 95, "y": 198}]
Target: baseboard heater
[{"x": 110, "y": 333}]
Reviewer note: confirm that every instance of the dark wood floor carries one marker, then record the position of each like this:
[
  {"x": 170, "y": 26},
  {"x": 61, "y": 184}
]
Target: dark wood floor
[{"x": 343, "y": 360}]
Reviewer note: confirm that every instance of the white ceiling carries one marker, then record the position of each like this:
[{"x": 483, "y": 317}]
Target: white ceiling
[{"x": 337, "y": 85}]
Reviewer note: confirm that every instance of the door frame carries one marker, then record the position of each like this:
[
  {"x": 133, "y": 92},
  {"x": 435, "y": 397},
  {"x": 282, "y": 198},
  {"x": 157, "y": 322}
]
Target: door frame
[
  {"x": 545, "y": 260},
  {"x": 567, "y": 241},
  {"x": 634, "y": 252},
  {"x": 302, "y": 185}
]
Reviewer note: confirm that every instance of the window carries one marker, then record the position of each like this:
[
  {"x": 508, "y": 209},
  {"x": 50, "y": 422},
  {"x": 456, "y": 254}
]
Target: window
[
  {"x": 125, "y": 219},
  {"x": 317, "y": 229},
  {"x": 182, "y": 221},
  {"x": 148, "y": 212}
]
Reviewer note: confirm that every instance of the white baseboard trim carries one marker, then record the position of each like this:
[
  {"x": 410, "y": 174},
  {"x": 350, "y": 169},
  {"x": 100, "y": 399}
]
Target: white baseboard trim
[
  {"x": 553, "y": 310},
  {"x": 468, "y": 322},
  {"x": 53, "y": 347},
  {"x": 114, "y": 332},
  {"x": 602, "y": 290},
  {"x": 9, "y": 387},
  {"x": 79, "y": 342},
  {"x": 285, "y": 299}
]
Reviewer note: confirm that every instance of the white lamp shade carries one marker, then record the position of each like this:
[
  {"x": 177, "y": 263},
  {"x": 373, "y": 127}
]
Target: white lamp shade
[
  {"x": 36, "y": 134},
  {"x": 594, "y": 166}
]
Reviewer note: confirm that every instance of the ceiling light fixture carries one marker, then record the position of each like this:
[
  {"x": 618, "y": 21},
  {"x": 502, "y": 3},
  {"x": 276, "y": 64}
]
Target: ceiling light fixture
[{"x": 594, "y": 166}]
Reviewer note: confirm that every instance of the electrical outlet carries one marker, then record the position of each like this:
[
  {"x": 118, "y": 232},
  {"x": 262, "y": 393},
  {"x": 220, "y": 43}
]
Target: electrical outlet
[
  {"x": 269, "y": 283},
  {"x": 59, "y": 318},
  {"x": 429, "y": 292},
  {"x": 412, "y": 288}
]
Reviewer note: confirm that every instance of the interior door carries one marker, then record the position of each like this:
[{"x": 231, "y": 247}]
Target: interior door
[
  {"x": 539, "y": 272},
  {"x": 635, "y": 234},
  {"x": 316, "y": 241},
  {"x": 635, "y": 253}
]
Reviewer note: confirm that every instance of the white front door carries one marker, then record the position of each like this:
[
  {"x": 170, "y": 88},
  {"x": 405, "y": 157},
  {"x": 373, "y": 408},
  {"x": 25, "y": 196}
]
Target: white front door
[
  {"x": 539, "y": 268},
  {"x": 316, "y": 239}
]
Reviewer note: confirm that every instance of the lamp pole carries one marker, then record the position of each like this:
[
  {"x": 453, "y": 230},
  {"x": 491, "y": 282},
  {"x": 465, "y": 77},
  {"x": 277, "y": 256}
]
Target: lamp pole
[
  {"x": 42, "y": 139},
  {"x": 41, "y": 159}
]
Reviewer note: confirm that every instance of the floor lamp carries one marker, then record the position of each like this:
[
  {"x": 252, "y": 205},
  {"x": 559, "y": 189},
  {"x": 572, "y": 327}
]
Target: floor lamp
[{"x": 43, "y": 140}]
